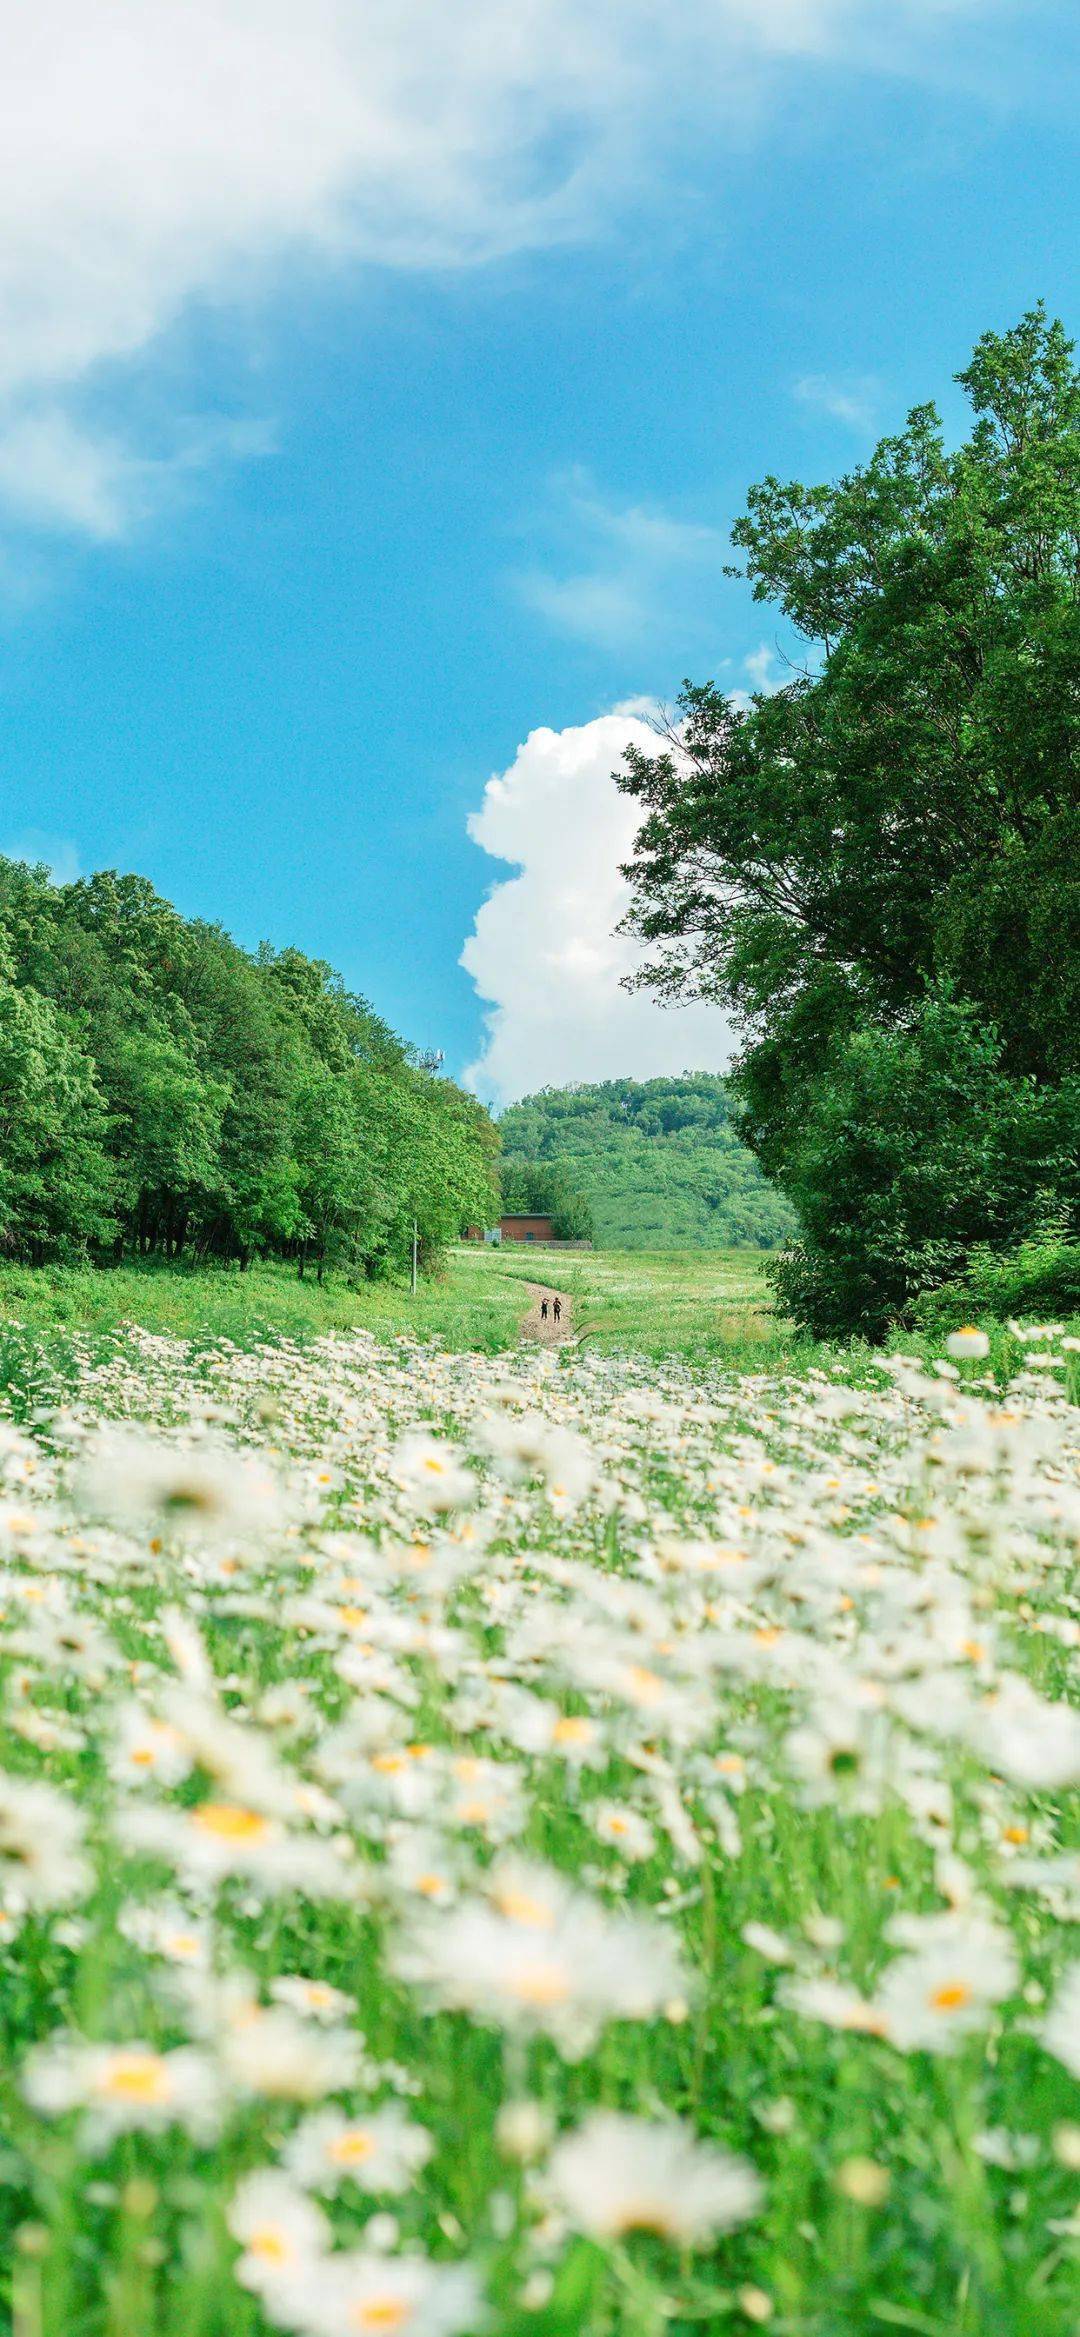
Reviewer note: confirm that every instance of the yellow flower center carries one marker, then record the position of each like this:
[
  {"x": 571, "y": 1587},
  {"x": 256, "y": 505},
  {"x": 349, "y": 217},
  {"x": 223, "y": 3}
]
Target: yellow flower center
[
  {"x": 136, "y": 2077},
  {"x": 645, "y": 1685},
  {"x": 951, "y": 1997},
  {"x": 270, "y": 2245},
  {"x": 542, "y": 1984},
  {"x": 227, "y": 1822},
  {"x": 521, "y": 1907},
  {"x": 350, "y": 2150},
  {"x": 646, "y": 2217},
  {"x": 381, "y": 2312},
  {"x": 572, "y": 1730}
]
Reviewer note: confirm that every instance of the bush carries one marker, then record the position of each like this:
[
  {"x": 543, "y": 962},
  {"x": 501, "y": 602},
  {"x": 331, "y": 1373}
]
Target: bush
[
  {"x": 1037, "y": 1282},
  {"x": 918, "y": 1153}
]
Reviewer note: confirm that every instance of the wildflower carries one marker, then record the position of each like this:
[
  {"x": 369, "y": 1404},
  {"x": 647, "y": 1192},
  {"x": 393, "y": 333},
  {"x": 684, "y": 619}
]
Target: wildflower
[
  {"x": 282, "y": 2233},
  {"x": 968, "y": 1345},
  {"x": 361, "y": 2293},
  {"x": 383, "y": 2150},
  {"x": 1061, "y": 2028},
  {"x": 616, "y": 2174},
  {"x": 316, "y": 1998},
  {"x": 624, "y": 1829},
  {"x": 432, "y": 1474},
  {"x": 220, "y": 1838},
  {"x": 183, "y": 1491},
  {"x": 147, "y": 1750},
  {"x": 281, "y": 2058},
  {"x": 830, "y": 2001},
  {"x": 170, "y": 1932},
  {"x": 933, "y": 1998},
  {"x": 564, "y": 1971},
  {"x": 122, "y": 2088},
  {"x": 42, "y": 1865}
]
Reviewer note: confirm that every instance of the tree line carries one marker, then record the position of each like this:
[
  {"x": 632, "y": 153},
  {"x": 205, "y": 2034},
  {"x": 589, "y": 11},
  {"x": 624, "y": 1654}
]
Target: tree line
[
  {"x": 166, "y": 1093},
  {"x": 877, "y": 867}
]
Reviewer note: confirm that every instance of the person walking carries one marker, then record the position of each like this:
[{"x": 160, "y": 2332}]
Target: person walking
[
  {"x": 557, "y": 1309},
  {"x": 543, "y": 1310}
]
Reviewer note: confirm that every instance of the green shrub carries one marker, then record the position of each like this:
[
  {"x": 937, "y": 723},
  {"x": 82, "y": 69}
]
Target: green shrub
[{"x": 1037, "y": 1282}]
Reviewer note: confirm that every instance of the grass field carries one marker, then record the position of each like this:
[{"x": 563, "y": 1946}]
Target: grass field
[
  {"x": 707, "y": 1305},
  {"x": 544, "y": 1844},
  {"x": 711, "y": 1305}
]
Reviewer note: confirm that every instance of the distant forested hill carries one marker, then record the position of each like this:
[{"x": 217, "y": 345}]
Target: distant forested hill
[{"x": 659, "y": 1162}]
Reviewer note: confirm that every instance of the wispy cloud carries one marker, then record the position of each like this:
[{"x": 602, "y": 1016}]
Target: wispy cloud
[
  {"x": 616, "y": 571},
  {"x": 158, "y": 156},
  {"x": 57, "y": 475},
  {"x": 851, "y": 398}
]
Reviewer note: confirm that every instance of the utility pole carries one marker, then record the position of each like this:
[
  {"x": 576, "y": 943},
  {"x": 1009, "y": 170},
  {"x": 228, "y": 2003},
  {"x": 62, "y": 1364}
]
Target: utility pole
[{"x": 415, "y": 1249}]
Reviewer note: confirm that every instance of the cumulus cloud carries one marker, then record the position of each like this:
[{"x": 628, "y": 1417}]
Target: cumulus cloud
[
  {"x": 544, "y": 953},
  {"x": 165, "y": 153}
]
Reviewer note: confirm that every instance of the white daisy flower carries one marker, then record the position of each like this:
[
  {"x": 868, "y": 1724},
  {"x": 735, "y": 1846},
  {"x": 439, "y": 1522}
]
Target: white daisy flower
[
  {"x": 281, "y": 2231},
  {"x": 123, "y": 2088},
  {"x": 617, "y": 2174},
  {"x": 379, "y": 2150}
]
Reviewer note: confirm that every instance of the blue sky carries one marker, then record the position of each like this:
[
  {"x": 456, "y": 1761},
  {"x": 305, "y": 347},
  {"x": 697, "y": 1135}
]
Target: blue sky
[{"x": 341, "y": 452}]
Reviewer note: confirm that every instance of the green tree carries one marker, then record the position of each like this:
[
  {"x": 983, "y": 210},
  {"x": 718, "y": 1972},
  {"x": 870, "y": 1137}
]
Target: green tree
[
  {"x": 210, "y": 1100},
  {"x": 906, "y": 811},
  {"x": 546, "y": 1188},
  {"x": 56, "y": 1177}
]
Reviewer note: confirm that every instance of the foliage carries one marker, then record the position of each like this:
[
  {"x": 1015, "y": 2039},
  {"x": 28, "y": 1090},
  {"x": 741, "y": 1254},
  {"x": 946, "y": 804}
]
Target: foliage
[
  {"x": 915, "y": 1148},
  {"x": 904, "y": 814},
  {"x": 661, "y": 1161},
  {"x": 545, "y": 1188},
  {"x": 164, "y": 1092},
  {"x": 1040, "y": 1281}
]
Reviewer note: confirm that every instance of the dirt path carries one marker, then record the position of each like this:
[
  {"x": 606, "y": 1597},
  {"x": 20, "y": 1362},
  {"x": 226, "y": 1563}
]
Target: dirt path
[{"x": 547, "y": 1333}]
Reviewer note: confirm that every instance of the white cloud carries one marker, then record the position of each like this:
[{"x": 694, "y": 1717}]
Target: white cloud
[
  {"x": 160, "y": 153},
  {"x": 626, "y": 570},
  {"x": 544, "y": 953},
  {"x": 55, "y": 474},
  {"x": 853, "y": 399}
]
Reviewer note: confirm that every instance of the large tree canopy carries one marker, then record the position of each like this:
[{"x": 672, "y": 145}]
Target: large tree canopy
[{"x": 901, "y": 820}]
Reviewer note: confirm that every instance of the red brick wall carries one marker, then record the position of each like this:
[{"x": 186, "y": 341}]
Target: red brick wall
[{"x": 522, "y": 1229}]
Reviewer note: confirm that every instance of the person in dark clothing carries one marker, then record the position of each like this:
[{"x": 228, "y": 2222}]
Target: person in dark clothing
[
  {"x": 557, "y": 1309},
  {"x": 543, "y": 1310}
]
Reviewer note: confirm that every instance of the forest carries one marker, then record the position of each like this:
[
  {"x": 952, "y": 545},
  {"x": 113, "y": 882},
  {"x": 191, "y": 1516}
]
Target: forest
[
  {"x": 657, "y": 1163},
  {"x": 164, "y": 1093}
]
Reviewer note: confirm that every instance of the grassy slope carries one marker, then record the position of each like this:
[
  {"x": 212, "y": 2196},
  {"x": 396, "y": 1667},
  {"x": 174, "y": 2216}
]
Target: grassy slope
[
  {"x": 708, "y": 1304},
  {"x": 268, "y": 1302}
]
